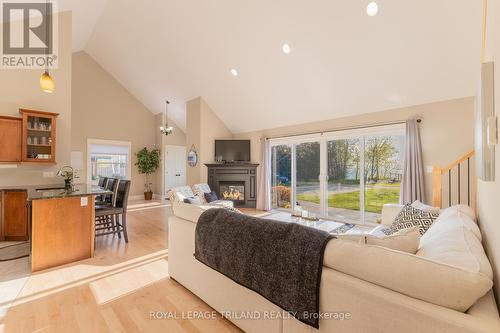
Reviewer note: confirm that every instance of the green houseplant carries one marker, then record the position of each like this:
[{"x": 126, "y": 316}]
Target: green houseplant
[{"x": 148, "y": 162}]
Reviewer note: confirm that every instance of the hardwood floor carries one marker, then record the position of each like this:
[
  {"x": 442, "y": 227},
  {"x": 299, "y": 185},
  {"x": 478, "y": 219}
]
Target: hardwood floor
[{"x": 116, "y": 291}]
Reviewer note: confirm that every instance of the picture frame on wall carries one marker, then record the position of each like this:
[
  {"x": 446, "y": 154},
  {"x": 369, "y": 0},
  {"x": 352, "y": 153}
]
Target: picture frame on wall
[{"x": 192, "y": 157}]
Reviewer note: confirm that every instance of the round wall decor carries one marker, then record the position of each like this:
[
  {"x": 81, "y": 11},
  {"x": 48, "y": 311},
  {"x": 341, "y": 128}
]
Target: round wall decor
[{"x": 192, "y": 157}]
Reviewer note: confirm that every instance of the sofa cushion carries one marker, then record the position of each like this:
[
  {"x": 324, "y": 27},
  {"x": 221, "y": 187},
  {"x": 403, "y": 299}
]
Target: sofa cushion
[
  {"x": 178, "y": 194},
  {"x": 189, "y": 212},
  {"x": 409, "y": 217},
  {"x": 406, "y": 240},
  {"x": 193, "y": 200},
  {"x": 389, "y": 213},
  {"x": 415, "y": 276},
  {"x": 223, "y": 203},
  {"x": 454, "y": 239},
  {"x": 462, "y": 214}
]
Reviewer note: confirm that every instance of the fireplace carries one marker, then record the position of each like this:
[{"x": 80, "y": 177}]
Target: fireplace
[
  {"x": 234, "y": 181},
  {"x": 234, "y": 191}
]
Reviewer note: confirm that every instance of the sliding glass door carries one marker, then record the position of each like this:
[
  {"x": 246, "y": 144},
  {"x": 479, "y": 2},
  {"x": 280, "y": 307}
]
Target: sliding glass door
[
  {"x": 383, "y": 169},
  {"x": 307, "y": 181},
  {"x": 345, "y": 176},
  {"x": 281, "y": 176},
  {"x": 344, "y": 179}
]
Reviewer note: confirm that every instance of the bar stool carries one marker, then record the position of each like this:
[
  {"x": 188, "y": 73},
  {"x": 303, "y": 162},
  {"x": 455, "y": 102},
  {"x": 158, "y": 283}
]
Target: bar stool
[{"x": 112, "y": 219}]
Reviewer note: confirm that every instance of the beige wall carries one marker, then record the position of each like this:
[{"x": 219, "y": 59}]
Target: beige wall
[
  {"x": 446, "y": 130},
  {"x": 20, "y": 89},
  {"x": 489, "y": 192},
  {"x": 203, "y": 128},
  {"x": 104, "y": 109},
  {"x": 193, "y": 135}
]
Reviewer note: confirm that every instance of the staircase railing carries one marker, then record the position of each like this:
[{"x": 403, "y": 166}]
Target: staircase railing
[{"x": 455, "y": 183}]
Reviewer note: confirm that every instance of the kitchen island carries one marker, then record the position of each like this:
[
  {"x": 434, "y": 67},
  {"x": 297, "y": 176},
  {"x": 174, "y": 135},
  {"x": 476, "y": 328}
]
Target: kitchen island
[{"x": 60, "y": 223}]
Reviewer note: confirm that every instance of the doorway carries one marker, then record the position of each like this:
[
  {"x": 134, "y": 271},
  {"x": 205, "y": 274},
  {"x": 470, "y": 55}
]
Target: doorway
[{"x": 175, "y": 167}]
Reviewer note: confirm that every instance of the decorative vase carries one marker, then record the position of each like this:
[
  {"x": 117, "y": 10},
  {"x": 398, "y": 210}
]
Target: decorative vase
[
  {"x": 148, "y": 195},
  {"x": 68, "y": 184}
]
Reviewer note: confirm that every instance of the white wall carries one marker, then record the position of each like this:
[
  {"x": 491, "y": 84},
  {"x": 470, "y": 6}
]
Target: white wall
[{"x": 489, "y": 192}]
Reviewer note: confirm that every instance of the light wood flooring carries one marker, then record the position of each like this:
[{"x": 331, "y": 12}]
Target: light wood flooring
[{"x": 115, "y": 291}]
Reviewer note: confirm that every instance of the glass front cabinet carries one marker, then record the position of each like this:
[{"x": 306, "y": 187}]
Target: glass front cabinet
[{"x": 38, "y": 136}]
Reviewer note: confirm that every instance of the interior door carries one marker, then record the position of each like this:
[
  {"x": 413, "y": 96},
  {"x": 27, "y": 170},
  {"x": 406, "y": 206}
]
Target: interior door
[{"x": 175, "y": 167}]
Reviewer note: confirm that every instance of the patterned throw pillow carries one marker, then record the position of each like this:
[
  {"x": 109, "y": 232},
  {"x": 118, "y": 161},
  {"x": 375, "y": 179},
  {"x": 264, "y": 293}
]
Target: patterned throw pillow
[{"x": 410, "y": 217}]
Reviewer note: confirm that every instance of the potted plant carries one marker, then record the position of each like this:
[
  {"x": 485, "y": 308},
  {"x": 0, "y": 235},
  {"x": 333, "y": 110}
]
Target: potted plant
[{"x": 148, "y": 162}]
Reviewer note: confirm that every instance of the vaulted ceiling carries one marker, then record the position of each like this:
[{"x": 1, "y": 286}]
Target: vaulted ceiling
[{"x": 342, "y": 61}]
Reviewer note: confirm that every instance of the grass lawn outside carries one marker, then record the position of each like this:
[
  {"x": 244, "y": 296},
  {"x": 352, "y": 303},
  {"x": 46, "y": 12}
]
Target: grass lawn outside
[{"x": 375, "y": 198}]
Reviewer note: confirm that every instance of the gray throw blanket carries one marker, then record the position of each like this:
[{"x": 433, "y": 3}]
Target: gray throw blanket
[{"x": 280, "y": 261}]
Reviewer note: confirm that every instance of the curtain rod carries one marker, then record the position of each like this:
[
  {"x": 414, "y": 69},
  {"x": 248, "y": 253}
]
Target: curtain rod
[{"x": 339, "y": 129}]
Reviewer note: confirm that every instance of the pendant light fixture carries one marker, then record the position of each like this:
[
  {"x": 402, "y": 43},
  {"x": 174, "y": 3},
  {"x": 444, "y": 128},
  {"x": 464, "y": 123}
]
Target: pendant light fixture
[
  {"x": 166, "y": 130},
  {"x": 46, "y": 82}
]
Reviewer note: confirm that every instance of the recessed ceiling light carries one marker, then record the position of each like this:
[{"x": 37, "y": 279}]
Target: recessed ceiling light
[
  {"x": 372, "y": 8},
  {"x": 286, "y": 48},
  {"x": 234, "y": 72}
]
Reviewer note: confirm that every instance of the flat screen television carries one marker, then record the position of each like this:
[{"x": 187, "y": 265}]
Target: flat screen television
[{"x": 232, "y": 150}]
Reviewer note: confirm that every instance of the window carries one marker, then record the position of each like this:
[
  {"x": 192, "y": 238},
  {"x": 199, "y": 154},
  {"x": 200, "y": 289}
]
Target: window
[
  {"x": 281, "y": 178},
  {"x": 108, "y": 159},
  {"x": 346, "y": 175}
]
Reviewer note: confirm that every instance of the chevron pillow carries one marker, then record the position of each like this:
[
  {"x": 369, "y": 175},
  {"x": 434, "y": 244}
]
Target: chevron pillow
[{"x": 410, "y": 217}]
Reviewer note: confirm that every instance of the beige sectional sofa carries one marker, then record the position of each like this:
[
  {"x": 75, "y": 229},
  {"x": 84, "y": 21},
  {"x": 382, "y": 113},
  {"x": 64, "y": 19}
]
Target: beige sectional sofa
[{"x": 444, "y": 287}]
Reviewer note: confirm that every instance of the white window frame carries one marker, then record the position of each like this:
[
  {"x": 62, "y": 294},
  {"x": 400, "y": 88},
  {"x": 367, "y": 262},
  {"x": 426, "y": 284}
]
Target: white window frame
[
  {"x": 323, "y": 138},
  {"x": 126, "y": 144}
]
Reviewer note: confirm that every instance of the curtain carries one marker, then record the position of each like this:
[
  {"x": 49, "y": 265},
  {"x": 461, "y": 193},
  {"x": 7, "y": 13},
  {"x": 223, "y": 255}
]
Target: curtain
[
  {"x": 264, "y": 188},
  {"x": 412, "y": 183}
]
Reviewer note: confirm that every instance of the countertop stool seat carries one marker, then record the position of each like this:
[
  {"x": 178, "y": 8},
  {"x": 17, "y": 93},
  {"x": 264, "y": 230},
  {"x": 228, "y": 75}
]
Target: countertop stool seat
[{"x": 112, "y": 219}]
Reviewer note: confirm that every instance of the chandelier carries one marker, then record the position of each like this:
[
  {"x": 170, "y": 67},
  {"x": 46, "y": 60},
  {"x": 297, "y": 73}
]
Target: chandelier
[{"x": 166, "y": 130}]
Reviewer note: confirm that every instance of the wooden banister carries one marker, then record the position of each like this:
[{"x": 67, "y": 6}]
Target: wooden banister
[
  {"x": 459, "y": 161},
  {"x": 437, "y": 198},
  {"x": 437, "y": 180}
]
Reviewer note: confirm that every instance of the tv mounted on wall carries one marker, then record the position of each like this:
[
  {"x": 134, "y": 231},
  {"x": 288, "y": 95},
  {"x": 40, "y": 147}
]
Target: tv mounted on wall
[{"x": 232, "y": 150}]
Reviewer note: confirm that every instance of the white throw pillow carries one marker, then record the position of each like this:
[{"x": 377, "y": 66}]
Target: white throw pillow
[{"x": 406, "y": 240}]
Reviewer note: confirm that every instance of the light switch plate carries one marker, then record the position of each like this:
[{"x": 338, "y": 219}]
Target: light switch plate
[
  {"x": 428, "y": 169},
  {"x": 84, "y": 201},
  {"x": 48, "y": 174}
]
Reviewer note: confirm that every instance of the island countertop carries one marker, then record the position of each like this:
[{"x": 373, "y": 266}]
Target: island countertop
[{"x": 40, "y": 192}]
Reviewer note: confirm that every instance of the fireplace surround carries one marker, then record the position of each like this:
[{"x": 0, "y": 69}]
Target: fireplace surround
[{"x": 234, "y": 181}]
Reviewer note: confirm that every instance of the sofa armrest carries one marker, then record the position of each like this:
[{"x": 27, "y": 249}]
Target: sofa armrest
[{"x": 389, "y": 213}]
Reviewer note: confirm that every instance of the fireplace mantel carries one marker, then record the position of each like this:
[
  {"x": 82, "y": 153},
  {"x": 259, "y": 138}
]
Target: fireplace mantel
[{"x": 245, "y": 173}]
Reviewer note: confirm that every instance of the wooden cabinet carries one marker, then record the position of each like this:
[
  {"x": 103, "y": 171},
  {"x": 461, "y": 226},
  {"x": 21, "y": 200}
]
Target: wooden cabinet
[
  {"x": 62, "y": 231},
  {"x": 14, "y": 215},
  {"x": 38, "y": 136},
  {"x": 10, "y": 139}
]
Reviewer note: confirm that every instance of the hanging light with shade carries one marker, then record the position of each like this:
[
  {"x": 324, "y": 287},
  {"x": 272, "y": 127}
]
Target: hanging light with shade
[
  {"x": 166, "y": 130},
  {"x": 47, "y": 84}
]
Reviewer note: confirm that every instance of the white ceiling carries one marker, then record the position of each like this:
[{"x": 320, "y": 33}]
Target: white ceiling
[
  {"x": 342, "y": 61},
  {"x": 85, "y": 15}
]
